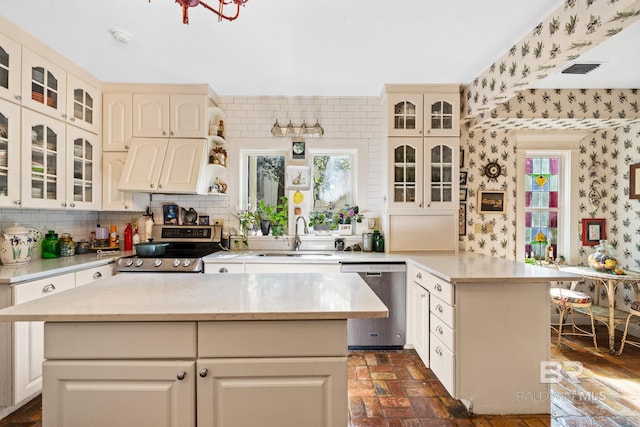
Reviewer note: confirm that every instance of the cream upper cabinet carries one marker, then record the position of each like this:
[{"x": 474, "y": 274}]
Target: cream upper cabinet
[
  {"x": 61, "y": 165},
  {"x": 83, "y": 104},
  {"x": 112, "y": 198},
  {"x": 10, "y": 69},
  {"x": 167, "y": 166},
  {"x": 117, "y": 121},
  {"x": 423, "y": 110},
  {"x": 422, "y": 172},
  {"x": 43, "y": 85},
  {"x": 175, "y": 115},
  {"x": 9, "y": 154}
]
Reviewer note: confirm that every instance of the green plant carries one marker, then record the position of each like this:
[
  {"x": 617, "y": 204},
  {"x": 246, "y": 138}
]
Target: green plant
[
  {"x": 277, "y": 215},
  {"x": 319, "y": 218},
  {"x": 347, "y": 215}
]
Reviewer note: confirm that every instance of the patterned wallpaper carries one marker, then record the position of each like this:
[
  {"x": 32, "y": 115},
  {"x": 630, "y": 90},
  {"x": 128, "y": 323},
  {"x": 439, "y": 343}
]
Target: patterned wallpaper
[
  {"x": 569, "y": 31},
  {"x": 605, "y": 156}
]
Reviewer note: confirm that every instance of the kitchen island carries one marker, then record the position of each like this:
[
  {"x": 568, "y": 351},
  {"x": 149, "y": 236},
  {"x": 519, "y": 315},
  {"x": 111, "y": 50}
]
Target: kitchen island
[{"x": 185, "y": 350}]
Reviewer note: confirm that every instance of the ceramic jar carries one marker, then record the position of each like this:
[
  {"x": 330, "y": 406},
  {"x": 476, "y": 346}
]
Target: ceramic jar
[{"x": 17, "y": 243}]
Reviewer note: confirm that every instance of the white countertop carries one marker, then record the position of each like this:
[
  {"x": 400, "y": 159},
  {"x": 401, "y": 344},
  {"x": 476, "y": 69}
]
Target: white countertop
[
  {"x": 463, "y": 267},
  {"x": 41, "y": 268},
  {"x": 201, "y": 297}
]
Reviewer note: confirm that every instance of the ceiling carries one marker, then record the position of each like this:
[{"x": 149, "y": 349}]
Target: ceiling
[{"x": 306, "y": 48}]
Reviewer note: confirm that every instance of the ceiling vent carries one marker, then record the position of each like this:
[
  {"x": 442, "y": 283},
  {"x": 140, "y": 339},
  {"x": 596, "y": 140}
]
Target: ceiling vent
[{"x": 580, "y": 68}]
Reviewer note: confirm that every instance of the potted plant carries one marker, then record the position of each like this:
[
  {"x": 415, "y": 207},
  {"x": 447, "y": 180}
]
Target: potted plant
[
  {"x": 320, "y": 221},
  {"x": 343, "y": 219},
  {"x": 273, "y": 217}
]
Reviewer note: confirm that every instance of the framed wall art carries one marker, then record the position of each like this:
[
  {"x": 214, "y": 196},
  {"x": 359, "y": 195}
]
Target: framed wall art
[
  {"x": 298, "y": 177},
  {"x": 462, "y": 219},
  {"x": 203, "y": 220},
  {"x": 634, "y": 181},
  {"x": 492, "y": 202},
  {"x": 463, "y": 194},
  {"x": 170, "y": 214},
  {"x": 463, "y": 178},
  {"x": 593, "y": 230}
]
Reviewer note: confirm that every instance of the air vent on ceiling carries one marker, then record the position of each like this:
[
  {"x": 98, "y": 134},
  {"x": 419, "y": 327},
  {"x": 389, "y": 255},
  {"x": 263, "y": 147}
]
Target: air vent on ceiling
[{"x": 580, "y": 68}]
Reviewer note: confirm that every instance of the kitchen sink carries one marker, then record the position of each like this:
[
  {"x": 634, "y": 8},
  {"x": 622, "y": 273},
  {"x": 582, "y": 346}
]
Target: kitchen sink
[{"x": 295, "y": 254}]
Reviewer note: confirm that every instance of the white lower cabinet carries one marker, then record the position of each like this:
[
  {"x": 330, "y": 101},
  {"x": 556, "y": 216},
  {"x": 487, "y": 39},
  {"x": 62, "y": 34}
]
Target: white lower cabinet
[
  {"x": 183, "y": 374},
  {"x": 128, "y": 393},
  {"x": 222, "y": 268},
  {"x": 418, "y": 320},
  {"x": 92, "y": 274},
  {"x": 28, "y": 337}
]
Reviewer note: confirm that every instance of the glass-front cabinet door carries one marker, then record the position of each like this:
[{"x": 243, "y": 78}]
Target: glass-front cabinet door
[
  {"x": 441, "y": 187},
  {"x": 10, "y": 69},
  {"x": 83, "y": 103},
  {"x": 43, "y": 85},
  {"x": 85, "y": 167},
  {"x": 405, "y": 115},
  {"x": 442, "y": 114},
  {"x": 9, "y": 154},
  {"x": 43, "y": 161},
  {"x": 406, "y": 172}
]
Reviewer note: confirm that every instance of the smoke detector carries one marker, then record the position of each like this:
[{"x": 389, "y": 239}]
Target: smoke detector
[{"x": 121, "y": 35}]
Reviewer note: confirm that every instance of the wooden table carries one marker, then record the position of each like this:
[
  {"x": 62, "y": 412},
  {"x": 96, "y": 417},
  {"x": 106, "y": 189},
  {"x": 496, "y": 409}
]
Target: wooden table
[{"x": 610, "y": 316}]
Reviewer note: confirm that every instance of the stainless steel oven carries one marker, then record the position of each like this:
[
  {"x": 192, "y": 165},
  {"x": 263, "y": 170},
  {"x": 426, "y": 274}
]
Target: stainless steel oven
[{"x": 186, "y": 247}]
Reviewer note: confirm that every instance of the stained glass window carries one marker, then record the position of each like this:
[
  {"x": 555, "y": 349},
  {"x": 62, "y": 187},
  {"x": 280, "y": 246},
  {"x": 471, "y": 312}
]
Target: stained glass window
[{"x": 542, "y": 186}]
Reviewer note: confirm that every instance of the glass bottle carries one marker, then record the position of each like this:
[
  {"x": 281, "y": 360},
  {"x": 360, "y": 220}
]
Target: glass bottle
[
  {"x": 603, "y": 258},
  {"x": 67, "y": 245},
  {"x": 51, "y": 245}
]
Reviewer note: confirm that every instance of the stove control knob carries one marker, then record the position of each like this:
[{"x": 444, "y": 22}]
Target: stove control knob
[
  {"x": 139, "y": 262},
  {"x": 126, "y": 262},
  {"x": 187, "y": 262},
  {"x": 157, "y": 262},
  {"x": 176, "y": 262}
]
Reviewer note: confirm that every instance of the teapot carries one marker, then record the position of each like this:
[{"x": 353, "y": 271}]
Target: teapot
[
  {"x": 17, "y": 244},
  {"x": 189, "y": 217}
]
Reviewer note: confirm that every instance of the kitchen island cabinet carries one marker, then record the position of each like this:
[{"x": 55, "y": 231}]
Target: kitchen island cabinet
[{"x": 199, "y": 352}]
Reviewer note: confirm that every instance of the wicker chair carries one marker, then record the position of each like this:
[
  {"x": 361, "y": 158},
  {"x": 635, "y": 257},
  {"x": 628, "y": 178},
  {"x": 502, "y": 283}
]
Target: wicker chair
[
  {"x": 634, "y": 310},
  {"x": 567, "y": 300}
]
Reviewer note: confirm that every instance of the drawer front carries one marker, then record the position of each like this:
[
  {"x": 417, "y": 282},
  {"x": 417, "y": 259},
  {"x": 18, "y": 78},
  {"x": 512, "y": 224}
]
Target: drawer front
[
  {"x": 442, "y": 363},
  {"x": 440, "y": 288},
  {"x": 120, "y": 340},
  {"x": 213, "y": 268},
  {"x": 417, "y": 275},
  {"x": 443, "y": 311},
  {"x": 92, "y": 274},
  {"x": 44, "y": 287},
  {"x": 272, "y": 338},
  {"x": 442, "y": 331}
]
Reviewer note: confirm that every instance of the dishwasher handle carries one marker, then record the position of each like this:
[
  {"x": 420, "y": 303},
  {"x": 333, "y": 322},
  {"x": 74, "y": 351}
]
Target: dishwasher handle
[{"x": 373, "y": 267}]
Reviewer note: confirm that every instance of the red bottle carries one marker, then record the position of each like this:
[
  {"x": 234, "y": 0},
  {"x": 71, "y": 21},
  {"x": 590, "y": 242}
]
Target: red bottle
[{"x": 128, "y": 238}]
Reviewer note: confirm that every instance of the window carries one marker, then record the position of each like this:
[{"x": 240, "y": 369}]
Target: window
[
  {"x": 333, "y": 185},
  {"x": 542, "y": 211},
  {"x": 265, "y": 178}
]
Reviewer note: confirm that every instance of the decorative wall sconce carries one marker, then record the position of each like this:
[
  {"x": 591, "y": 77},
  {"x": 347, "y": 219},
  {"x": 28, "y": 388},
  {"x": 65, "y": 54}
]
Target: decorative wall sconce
[{"x": 291, "y": 131}]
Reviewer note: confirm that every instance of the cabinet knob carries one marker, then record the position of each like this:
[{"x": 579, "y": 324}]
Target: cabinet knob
[
  {"x": 18, "y": 202},
  {"x": 223, "y": 270},
  {"x": 171, "y": 133},
  {"x": 419, "y": 275},
  {"x": 164, "y": 133},
  {"x": 423, "y": 295},
  {"x": 64, "y": 205},
  {"x": 126, "y": 147},
  {"x": 152, "y": 186},
  {"x": 73, "y": 205},
  {"x": 97, "y": 275},
  {"x": 64, "y": 116},
  {"x": 181, "y": 375},
  {"x": 72, "y": 119},
  {"x": 159, "y": 185},
  {"x": 49, "y": 288},
  {"x": 203, "y": 372}
]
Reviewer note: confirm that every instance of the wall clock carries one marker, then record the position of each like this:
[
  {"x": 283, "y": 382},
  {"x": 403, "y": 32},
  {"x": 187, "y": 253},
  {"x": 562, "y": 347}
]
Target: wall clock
[{"x": 492, "y": 170}]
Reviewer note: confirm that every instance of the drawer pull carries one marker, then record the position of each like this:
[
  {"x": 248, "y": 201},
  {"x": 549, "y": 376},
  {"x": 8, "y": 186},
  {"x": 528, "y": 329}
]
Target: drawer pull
[
  {"x": 181, "y": 375},
  {"x": 423, "y": 295},
  {"x": 438, "y": 351},
  {"x": 49, "y": 288},
  {"x": 439, "y": 308},
  {"x": 437, "y": 287},
  {"x": 419, "y": 275},
  {"x": 204, "y": 372},
  {"x": 439, "y": 330},
  {"x": 223, "y": 270},
  {"x": 97, "y": 275}
]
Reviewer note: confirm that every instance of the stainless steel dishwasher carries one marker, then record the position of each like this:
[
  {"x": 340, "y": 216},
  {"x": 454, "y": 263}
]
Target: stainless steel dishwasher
[{"x": 388, "y": 281}]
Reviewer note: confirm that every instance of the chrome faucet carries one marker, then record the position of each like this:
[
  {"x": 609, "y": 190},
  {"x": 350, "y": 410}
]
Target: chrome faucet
[{"x": 298, "y": 242}]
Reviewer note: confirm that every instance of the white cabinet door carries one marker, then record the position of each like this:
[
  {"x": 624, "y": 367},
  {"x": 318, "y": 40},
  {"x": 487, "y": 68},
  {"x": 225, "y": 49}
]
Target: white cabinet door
[
  {"x": 117, "y": 121},
  {"x": 143, "y": 165},
  {"x": 188, "y": 116},
  {"x": 84, "y": 171},
  {"x": 84, "y": 106},
  {"x": 28, "y": 337},
  {"x": 405, "y": 114},
  {"x": 112, "y": 198},
  {"x": 405, "y": 173},
  {"x": 420, "y": 320},
  {"x": 442, "y": 177},
  {"x": 184, "y": 162},
  {"x": 284, "y": 392},
  {"x": 43, "y": 161},
  {"x": 442, "y": 114},
  {"x": 219, "y": 268},
  {"x": 130, "y": 393},
  {"x": 10, "y": 69},
  {"x": 43, "y": 85},
  {"x": 150, "y": 115},
  {"x": 93, "y": 274},
  {"x": 10, "y": 154}
]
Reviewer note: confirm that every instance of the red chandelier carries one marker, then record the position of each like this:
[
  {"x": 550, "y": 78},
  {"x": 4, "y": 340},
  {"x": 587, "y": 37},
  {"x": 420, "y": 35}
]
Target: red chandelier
[{"x": 186, "y": 4}]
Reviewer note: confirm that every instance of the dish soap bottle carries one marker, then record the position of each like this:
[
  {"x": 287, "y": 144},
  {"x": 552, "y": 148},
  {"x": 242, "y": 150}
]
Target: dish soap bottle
[{"x": 51, "y": 245}]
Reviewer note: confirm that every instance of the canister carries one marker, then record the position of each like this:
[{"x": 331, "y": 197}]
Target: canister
[
  {"x": 367, "y": 242},
  {"x": 67, "y": 245},
  {"x": 51, "y": 245},
  {"x": 378, "y": 242}
]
